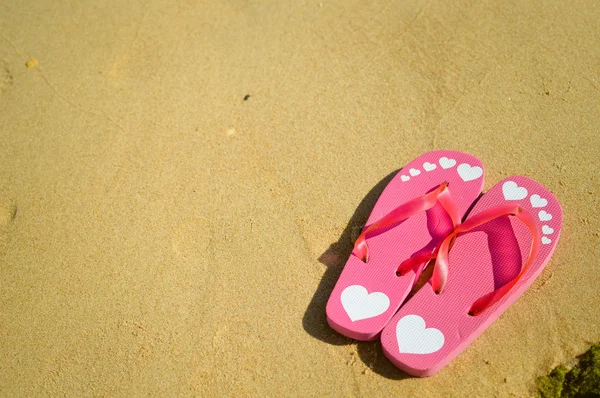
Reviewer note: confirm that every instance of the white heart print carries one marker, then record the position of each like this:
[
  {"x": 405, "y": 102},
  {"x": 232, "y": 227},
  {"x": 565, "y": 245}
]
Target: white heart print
[
  {"x": 547, "y": 230},
  {"x": 468, "y": 172},
  {"x": 414, "y": 172},
  {"x": 512, "y": 191},
  {"x": 429, "y": 166},
  {"x": 360, "y": 304},
  {"x": 414, "y": 338},
  {"x": 404, "y": 177},
  {"x": 537, "y": 201},
  {"x": 544, "y": 216},
  {"x": 546, "y": 240},
  {"x": 447, "y": 163}
]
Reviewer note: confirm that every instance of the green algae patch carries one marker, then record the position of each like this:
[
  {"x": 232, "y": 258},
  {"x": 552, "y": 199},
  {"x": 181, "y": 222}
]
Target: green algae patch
[
  {"x": 551, "y": 386},
  {"x": 582, "y": 381}
]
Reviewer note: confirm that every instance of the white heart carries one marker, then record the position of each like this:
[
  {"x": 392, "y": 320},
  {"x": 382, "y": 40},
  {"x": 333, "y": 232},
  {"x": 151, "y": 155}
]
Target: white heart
[
  {"x": 537, "y": 201},
  {"x": 512, "y": 191},
  {"x": 447, "y": 163},
  {"x": 359, "y": 304},
  {"x": 404, "y": 178},
  {"x": 544, "y": 216},
  {"x": 414, "y": 338},
  {"x": 414, "y": 172},
  {"x": 429, "y": 166},
  {"x": 547, "y": 230},
  {"x": 468, "y": 172},
  {"x": 545, "y": 240}
]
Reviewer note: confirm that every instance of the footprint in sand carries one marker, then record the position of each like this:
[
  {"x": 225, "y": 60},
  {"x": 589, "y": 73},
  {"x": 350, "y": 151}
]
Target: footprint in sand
[
  {"x": 6, "y": 77},
  {"x": 8, "y": 212}
]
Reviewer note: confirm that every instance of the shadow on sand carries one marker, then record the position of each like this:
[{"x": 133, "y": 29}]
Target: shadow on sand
[{"x": 315, "y": 321}]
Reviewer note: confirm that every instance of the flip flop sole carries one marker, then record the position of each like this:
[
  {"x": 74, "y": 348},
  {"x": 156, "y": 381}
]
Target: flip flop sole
[
  {"x": 367, "y": 295},
  {"x": 430, "y": 330}
]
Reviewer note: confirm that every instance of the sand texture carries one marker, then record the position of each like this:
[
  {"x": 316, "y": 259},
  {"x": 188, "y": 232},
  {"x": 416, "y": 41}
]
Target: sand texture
[{"x": 162, "y": 236}]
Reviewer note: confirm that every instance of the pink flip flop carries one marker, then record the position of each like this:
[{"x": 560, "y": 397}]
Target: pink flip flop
[
  {"x": 498, "y": 252},
  {"x": 416, "y": 211}
]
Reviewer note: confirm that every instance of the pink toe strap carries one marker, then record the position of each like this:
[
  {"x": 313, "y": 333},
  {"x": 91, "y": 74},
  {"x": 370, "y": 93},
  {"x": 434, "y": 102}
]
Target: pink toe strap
[
  {"x": 406, "y": 210},
  {"x": 440, "y": 272},
  {"x": 416, "y": 260}
]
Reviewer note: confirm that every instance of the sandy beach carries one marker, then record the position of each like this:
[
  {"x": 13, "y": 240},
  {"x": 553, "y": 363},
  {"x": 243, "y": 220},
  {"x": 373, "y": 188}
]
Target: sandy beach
[{"x": 181, "y": 183}]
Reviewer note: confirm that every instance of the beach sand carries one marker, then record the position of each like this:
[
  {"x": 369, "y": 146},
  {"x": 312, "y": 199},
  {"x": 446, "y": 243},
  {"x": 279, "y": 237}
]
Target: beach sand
[{"x": 164, "y": 234}]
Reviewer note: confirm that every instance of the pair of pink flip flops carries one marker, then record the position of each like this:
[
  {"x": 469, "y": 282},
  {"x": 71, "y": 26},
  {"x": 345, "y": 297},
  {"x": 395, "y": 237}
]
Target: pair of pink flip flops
[{"x": 481, "y": 263}]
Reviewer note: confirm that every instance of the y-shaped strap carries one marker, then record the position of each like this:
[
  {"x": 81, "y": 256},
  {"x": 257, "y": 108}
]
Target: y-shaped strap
[
  {"x": 440, "y": 271},
  {"x": 406, "y": 210}
]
